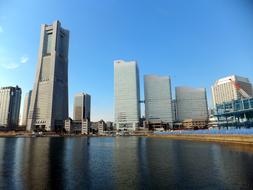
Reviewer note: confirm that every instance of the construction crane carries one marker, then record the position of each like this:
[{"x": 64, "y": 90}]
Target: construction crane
[{"x": 240, "y": 90}]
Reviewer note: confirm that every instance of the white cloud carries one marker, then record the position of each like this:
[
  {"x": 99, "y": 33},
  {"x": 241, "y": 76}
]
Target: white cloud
[
  {"x": 10, "y": 66},
  {"x": 1, "y": 29},
  {"x": 24, "y": 59},
  {"x": 9, "y": 62}
]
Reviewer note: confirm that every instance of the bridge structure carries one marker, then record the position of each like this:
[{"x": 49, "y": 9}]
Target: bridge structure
[{"x": 235, "y": 114}]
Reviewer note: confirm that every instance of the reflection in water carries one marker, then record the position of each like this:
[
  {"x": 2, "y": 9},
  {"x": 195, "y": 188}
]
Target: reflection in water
[{"x": 122, "y": 163}]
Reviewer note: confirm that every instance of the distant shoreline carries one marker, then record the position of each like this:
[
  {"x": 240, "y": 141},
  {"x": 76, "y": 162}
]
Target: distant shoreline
[{"x": 237, "y": 139}]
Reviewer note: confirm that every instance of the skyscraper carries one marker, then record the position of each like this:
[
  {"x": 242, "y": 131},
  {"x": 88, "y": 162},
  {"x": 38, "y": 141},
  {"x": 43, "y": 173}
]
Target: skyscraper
[
  {"x": 26, "y": 108},
  {"x": 10, "y": 98},
  {"x": 82, "y": 103},
  {"x": 49, "y": 101},
  {"x": 127, "y": 95},
  {"x": 191, "y": 103},
  {"x": 158, "y": 105},
  {"x": 228, "y": 89}
]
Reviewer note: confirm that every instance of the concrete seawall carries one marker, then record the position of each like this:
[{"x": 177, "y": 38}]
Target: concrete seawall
[{"x": 241, "y": 139}]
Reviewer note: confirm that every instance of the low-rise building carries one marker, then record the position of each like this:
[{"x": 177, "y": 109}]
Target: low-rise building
[
  {"x": 101, "y": 127},
  {"x": 76, "y": 126},
  {"x": 194, "y": 123},
  {"x": 85, "y": 127}
]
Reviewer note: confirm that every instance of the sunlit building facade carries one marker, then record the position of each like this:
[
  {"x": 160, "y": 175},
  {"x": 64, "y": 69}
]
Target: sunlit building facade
[
  {"x": 224, "y": 89},
  {"x": 158, "y": 103},
  {"x": 126, "y": 94},
  {"x": 49, "y": 101},
  {"x": 10, "y": 98},
  {"x": 26, "y": 108},
  {"x": 191, "y": 103},
  {"x": 82, "y": 103}
]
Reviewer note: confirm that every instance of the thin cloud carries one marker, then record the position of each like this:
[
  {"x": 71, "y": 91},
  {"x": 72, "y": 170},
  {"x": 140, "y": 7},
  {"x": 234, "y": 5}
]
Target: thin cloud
[
  {"x": 7, "y": 61},
  {"x": 10, "y": 66},
  {"x": 24, "y": 59},
  {"x": 1, "y": 29}
]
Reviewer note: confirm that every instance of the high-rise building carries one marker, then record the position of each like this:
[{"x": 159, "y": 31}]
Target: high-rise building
[
  {"x": 127, "y": 95},
  {"x": 26, "y": 108},
  {"x": 174, "y": 109},
  {"x": 158, "y": 105},
  {"x": 231, "y": 88},
  {"x": 10, "y": 98},
  {"x": 191, "y": 103},
  {"x": 49, "y": 101},
  {"x": 82, "y": 103}
]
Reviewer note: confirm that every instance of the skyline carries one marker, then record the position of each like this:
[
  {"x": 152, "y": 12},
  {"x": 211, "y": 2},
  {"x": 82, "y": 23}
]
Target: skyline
[{"x": 92, "y": 52}]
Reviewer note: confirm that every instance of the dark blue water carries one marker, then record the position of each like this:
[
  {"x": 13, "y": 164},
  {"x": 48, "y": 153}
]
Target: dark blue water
[{"x": 123, "y": 163}]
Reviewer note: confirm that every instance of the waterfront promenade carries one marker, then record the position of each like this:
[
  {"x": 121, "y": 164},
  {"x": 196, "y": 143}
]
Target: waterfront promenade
[{"x": 242, "y": 136}]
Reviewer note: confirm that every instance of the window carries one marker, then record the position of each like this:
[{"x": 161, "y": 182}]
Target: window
[{"x": 47, "y": 43}]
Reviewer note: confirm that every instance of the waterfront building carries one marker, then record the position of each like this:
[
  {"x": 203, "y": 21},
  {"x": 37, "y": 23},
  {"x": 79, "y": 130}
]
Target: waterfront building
[
  {"x": 26, "y": 108},
  {"x": 82, "y": 102},
  {"x": 109, "y": 125},
  {"x": 191, "y": 103},
  {"x": 194, "y": 123},
  {"x": 158, "y": 105},
  {"x": 49, "y": 101},
  {"x": 231, "y": 88},
  {"x": 10, "y": 98},
  {"x": 101, "y": 127},
  {"x": 127, "y": 95},
  {"x": 85, "y": 127},
  {"x": 68, "y": 125},
  {"x": 76, "y": 126},
  {"x": 235, "y": 113}
]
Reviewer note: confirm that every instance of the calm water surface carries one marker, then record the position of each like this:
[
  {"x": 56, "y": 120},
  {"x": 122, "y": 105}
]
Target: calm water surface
[{"x": 123, "y": 163}]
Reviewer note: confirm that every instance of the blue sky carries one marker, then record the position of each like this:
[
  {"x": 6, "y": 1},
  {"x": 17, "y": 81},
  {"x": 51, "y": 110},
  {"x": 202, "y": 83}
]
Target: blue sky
[{"x": 194, "y": 41}]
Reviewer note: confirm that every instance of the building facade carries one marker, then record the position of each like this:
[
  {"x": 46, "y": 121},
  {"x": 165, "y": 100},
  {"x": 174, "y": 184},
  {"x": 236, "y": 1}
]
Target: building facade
[
  {"x": 174, "y": 110},
  {"x": 10, "y": 98},
  {"x": 191, "y": 103},
  {"x": 82, "y": 102},
  {"x": 26, "y": 108},
  {"x": 126, "y": 94},
  {"x": 158, "y": 103},
  {"x": 225, "y": 89},
  {"x": 49, "y": 101},
  {"x": 101, "y": 127}
]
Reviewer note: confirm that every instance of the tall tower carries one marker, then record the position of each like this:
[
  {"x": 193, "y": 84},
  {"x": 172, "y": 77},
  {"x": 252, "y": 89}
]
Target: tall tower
[
  {"x": 49, "y": 101},
  {"x": 158, "y": 106},
  {"x": 82, "y": 107},
  {"x": 10, "y": 98},
  {"x": 26, "y": 108},
  {"x": 127, "y": 95}
]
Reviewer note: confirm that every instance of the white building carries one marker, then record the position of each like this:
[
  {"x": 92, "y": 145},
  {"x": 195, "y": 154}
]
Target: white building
[
  {"x": 10, "y": 98},
  {"x": 158, "y": 105},
  {"x": 191, "y": 103},
  {"x": 127, "y": 95},
  {"x": 26, "y": 108},
  {"x": 226, "y": 89},
  {"x": 49, "y": 101}
]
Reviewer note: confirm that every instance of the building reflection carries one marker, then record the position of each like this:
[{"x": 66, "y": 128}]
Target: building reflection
[
  {"x": 122, "y": 163},
  {"x": 7, "y": 163},
  {"x": 76, "y": 163},
  {"x": 35, "y": 162},
  {"x": 126, "y": 161}
]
